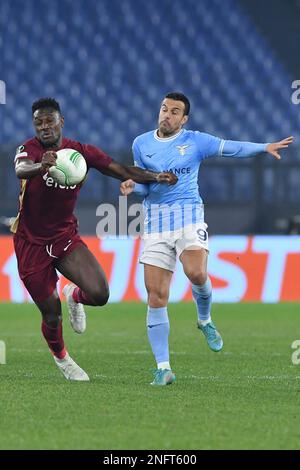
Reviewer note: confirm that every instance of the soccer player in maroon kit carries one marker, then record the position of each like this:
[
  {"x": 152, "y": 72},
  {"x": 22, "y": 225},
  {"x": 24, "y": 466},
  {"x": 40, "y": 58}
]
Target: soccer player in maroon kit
[{"x": 45, "y": 230}]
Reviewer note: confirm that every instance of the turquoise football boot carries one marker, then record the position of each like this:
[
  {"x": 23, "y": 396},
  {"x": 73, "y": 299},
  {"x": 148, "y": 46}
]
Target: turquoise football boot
[
  {"x": 212, "y": 336},
  {"x": 163, "y": 377}
]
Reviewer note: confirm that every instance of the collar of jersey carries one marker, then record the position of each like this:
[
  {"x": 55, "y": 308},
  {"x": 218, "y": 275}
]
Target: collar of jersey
[{"x": 167, "y": 139}]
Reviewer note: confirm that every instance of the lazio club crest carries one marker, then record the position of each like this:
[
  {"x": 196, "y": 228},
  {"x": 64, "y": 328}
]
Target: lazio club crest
[{"x": 182, "y": 149}]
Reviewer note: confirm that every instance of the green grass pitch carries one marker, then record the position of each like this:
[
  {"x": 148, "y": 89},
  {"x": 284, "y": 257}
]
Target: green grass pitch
[{"x": 245, "y": 397}]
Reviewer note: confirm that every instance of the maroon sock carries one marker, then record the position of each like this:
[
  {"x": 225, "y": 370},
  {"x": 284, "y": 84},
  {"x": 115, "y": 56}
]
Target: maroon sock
[
  {"x": 81, "y": 297},
  {"x": 54, "y": 338}
]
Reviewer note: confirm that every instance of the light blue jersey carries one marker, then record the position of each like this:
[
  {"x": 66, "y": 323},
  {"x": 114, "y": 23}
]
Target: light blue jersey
[{"x": 173, "y": 207}]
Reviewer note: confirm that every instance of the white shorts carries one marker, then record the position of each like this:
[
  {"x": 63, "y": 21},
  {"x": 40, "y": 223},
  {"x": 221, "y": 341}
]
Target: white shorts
[{"x": 161, "y": 249}]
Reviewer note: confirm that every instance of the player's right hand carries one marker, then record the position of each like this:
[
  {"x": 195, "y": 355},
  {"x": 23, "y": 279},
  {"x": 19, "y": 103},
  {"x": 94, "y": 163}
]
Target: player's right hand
[
  {"x": 167, "y": 177},
  {"x": 126, "y": 187},
  {"x": 48, "y": 159}
]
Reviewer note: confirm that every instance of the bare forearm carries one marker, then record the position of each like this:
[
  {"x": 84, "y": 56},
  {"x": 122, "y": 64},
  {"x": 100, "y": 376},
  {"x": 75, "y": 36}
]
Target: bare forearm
[
  {"x": 26, "y": 172},
  {"x": 139, "y": 175}
]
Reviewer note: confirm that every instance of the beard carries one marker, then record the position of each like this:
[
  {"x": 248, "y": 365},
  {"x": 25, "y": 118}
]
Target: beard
[
  {"x": 165, "y": 130},
  {"x": 50, "y": 144}
]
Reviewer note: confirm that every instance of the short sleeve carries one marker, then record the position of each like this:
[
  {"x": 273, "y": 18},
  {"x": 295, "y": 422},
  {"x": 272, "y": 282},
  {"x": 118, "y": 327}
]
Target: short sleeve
[
  {"x": 209, "y": 145},
  {"x": 95, "y": 157},
  {"x": 137, "y": 155}
]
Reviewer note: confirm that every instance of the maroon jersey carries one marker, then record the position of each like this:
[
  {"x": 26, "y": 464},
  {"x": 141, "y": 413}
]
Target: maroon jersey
[{"x": 46, "y": 208}]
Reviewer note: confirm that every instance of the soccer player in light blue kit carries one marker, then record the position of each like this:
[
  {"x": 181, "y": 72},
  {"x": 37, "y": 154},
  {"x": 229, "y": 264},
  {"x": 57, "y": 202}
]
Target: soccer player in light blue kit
[{"x": 174, "y": 219}]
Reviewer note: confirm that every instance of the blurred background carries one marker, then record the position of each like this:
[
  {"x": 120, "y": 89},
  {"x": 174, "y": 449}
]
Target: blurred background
[{"x": 110, "y": 62}]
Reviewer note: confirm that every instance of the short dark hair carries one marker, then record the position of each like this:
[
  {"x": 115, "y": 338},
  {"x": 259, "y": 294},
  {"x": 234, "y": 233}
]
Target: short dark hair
[
  {"x": 177, "y": 96},
  {"x": 46, "y": 103}
]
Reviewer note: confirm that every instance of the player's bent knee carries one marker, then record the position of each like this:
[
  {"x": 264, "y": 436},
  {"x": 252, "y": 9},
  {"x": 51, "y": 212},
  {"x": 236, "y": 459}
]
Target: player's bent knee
[
  {"x": 197, "y": 277},
  {"x": 100, "y": 296}
]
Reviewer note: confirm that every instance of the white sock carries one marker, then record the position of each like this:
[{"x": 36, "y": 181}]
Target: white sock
[
  {"x": 205, "y": 322},
  {"x": 163, "y": 365}
]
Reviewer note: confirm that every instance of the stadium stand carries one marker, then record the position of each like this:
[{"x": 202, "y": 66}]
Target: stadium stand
[{"x": 110, "y": 62}]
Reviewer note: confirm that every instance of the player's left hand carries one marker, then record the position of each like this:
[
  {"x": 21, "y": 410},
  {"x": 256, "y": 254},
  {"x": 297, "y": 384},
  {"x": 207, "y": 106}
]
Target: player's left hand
[
  {"x": 167, "y": 177},
  {"x": 274, "y": 147},
  {"x": 126, "y": 187}
]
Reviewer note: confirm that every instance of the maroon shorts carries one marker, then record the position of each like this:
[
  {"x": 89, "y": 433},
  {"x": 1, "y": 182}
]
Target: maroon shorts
[{"x": 36, "y": 263}]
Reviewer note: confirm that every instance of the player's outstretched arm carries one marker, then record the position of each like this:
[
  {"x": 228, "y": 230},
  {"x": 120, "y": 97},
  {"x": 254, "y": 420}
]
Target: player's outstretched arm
[
  {"x": 26, "y": 169},
  {"x": 122, "y": 172},
  {"x": 274, "y": 147},
  {"x": 237, "y": 149}
]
